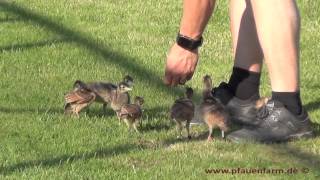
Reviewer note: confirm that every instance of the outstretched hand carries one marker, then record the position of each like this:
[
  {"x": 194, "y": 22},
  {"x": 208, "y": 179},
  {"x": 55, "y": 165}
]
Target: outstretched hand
[{"x": 180, "y": 65}]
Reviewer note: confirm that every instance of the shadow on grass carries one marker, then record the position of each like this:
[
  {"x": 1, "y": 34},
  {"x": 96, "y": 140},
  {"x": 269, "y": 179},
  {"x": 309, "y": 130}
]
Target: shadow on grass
[
  {"x": 305, "y": 159},
  {"x": 150, "y": 115},
  {"x": 155, "y": 119},
  {"x": 89, "y": 112},
  {"x": 9, "y": 20},
  {"x": 31, "y": 110},
  {"x": 312, "y": 106},
  {"x": 31, "y": 45},
  {"x": 199, "y": 137},
  {"x": 154, "y": 127},
  {"x": 98, "y": 112},
  {"x": 65, "y": 159},
  {"x": 125, "y": 63},
  {"x": 196, "y": 136},
  {"x": 316, "y": 129}
]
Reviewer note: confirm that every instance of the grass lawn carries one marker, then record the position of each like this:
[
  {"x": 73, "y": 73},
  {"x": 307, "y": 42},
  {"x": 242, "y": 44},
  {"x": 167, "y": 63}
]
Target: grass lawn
[{"x": 46, "y": 45}]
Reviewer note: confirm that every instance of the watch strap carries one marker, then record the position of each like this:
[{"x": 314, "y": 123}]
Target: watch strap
[{"x": 188, "y": 43}]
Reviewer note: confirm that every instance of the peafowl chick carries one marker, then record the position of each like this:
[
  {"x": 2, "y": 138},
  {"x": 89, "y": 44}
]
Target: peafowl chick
[
  {"x": 78, "y": 99},
  {"x": 213, "y": 112},
  {"x": 131, "y": 113},
  {"x": 119, "y": 98},
  {"x": 105, "y": 91},
  {"x": 183, "y": 110}
]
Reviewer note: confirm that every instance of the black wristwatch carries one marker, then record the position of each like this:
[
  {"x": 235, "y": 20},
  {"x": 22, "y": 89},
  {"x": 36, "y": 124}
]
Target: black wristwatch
[{"x": 188, "y": 43}]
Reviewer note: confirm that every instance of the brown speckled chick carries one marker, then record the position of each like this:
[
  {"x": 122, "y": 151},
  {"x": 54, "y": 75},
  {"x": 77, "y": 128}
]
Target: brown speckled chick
[
  {"x": 131, "y": 113},
  {"x": 120, "y": 97},
  {"x": 78, "y": 99},
  {"x": 105, "y": 91},
  {"x": 183, "y": 110},
  {"x": 213, "y": 112}
]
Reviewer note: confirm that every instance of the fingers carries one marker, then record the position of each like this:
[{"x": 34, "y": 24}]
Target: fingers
[
  {"x": 175, "y": 80},
  {"x": 167, "y": 78},
  {"x": 171, "y": 77},
  {"x": 189, "y": 76},
  {"x": 183, "y": 79},
  {"x": 180, "y": 66}
]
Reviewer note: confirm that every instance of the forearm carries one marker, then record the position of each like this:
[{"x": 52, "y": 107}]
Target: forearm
[{"x": 196, "y": 14}]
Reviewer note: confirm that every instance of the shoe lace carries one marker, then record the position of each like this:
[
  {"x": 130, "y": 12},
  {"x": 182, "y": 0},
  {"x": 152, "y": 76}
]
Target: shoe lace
[{"x": 264, "y": 111}]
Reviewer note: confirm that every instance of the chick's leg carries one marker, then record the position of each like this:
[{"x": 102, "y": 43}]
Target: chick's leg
[
  {"x": 188, "y": 128},
  {"x": 67, "y": 109},
  {"x": 135, "y": 126},
  {"x": 119, "y": 117},
  {"x": 77, "y": 109},
  {"x": 82, "y": 106},
  {"x": 104, "y": 108},
  {"x": 77, "y": 114},
  {"x": 179, "y": 128},
  {"x": 129, "y": 124},
  {"x": 210, "y": 133},
  {"x": 223, "y": 127}
]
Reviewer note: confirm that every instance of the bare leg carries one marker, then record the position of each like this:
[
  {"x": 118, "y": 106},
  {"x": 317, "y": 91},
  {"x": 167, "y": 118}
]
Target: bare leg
[
  {"x": 246, "y": 48},
  {"x": 278, "y": 26}
]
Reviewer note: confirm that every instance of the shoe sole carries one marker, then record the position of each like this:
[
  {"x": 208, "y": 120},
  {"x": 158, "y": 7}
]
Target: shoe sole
[
  {"x": 298, "y": 136},
  {"x": 241, "y": 122}
]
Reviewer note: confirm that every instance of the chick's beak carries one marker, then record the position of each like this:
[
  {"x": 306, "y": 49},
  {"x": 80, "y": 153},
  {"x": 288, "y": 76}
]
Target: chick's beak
[{"x": 127, "y": 89}]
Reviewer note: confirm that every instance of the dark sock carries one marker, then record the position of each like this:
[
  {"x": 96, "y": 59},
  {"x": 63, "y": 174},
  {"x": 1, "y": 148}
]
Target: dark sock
[
  {"x": 291, "y": 100},
  {"x": 243, "y": 83}
]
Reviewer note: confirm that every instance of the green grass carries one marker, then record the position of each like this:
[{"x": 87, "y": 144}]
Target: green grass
[{"x": 45, "y": 46}]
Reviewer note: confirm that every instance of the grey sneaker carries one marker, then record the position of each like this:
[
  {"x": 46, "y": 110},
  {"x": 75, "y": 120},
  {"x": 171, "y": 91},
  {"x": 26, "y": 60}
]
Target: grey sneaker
[
  {"x": 242, "y": 112},
  {"x": 276, "y": 124}
]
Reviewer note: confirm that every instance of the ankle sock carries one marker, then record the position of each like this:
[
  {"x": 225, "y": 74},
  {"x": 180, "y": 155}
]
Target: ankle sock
[
  {"x": 243, "y": 83},
  {"x": 291, "y": 100}
]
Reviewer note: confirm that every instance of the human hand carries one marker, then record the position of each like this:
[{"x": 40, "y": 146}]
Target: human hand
[{"x": 180, "y": 65}]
